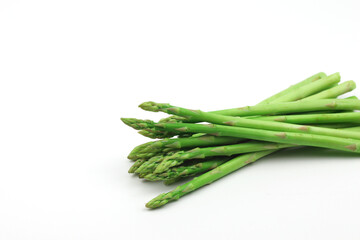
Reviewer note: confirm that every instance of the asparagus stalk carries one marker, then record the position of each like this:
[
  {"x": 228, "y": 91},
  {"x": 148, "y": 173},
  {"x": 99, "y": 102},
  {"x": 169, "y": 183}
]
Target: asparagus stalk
[
  {"x": 310, "y": 89},
  {"x": 138, "y": 149},
  {"x": 171, "y": 160},
  {"x": 161, "y": 163},
  {"x": 333, "y": 92},
  {"x": 171, "y": 180},
  {"x": 335, "y": 125},
  {"x": 136, "y": 165},
  {"x": 207, "y": 178},
  {"x": 293, "y": 88},
  {"x": 293, "y": 107},
  {"x": 289, "y": 92},
  {"x": 200, "y": 116},
  {"x": 179, "y": 157},
  {"x": 185, "y": 171},
  {"x": 155, "y": 147},
  {"x": 326, "y": 94},
  {"x": 344, "y": 144},
  {"x": 150, "y": 165},
  {"x": 348, "y": 117}
]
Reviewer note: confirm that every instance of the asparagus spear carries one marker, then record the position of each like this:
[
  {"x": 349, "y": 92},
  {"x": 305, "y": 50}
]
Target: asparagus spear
[
  {"x": 344, "y": 144},
  {"x": 186, "y": 171},
  {"x": 155, "y": 147},
  {"x": 289, "y": 92},
  {"x": 293, "y": 107},
  {"x": 207, "y": 178},
  {"x": 163, "y": 163},
  {"x": 181, "y": 156},
  {"x": 177, "y": 158},
  {"x": 148, "y": 205},
  {"x": 138, "y": 149},
  {"x": 335, "y": 125},
  {"x": 136, "y": 165},
  {"x": 150, "y": 165},
  {"x": 333, "y": 92},
  {"x": 326, "y": 94},
  {"x": 293, "y": 88},
  {"x": 310, "y": 89},
  {"x": 200, "y": 116},
  {"x": 171, "y": 180},
  {"x": 347, "y": 117}
]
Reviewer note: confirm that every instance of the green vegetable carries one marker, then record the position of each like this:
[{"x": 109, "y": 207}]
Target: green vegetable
[
  {"x": 293, "y": 88},
  {"x": 346, "y": 117},
  {"x": 185, "y": 171},
  {"x": 179, "y": 157},
  {"x": 306, "y": 139},
  {"x": 310, "y": 89},
  {"x": 200, "y": 148},
  {"x": 150, "y": 149},
  {"x": 207, "y": 178},
  {"x": 200, "y": 116},
  {"x": 293, "y": 107}
]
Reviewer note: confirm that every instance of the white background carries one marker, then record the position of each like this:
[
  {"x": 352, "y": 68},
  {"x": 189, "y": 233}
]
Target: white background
[{"x": 70, "y": 69}]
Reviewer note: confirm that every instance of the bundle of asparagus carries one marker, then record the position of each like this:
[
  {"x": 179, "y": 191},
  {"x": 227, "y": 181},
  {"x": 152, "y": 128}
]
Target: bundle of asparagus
[{"x": 233, "y": 138}]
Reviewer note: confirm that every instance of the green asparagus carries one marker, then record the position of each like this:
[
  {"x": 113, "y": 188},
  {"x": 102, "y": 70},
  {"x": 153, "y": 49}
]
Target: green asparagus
[{"x": 207, "y": 178}]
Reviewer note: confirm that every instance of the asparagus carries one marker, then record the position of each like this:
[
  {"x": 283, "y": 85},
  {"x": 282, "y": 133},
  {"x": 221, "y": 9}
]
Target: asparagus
[
  {"x": 200, "y": 116},
  {"x": 310, "y": 89},
  {"x": 333, "y": 92},
  {"x": 171, "y": 180},
  {"x": 138, "y": 149},
  {"x": 207, "y": 178},
  {"x": 185, "y": 171},
  {"x": 289, "y": 92},
  {"x": 293, "y": 107},
  {"x": 348, "y": 117},
  {"x": 293, "y": 88},
  {"x": 344, "y": 144},
  {"x": 136, "y": 165},
  {"x": 335, "y": 125},
  {"x": 161, "y": 163},
  {"x": 181, "y": 156},
  {"x": 150, "y": 165},
  {"x": 155, "y": 147},
  {"x": 144, "y": 124}
]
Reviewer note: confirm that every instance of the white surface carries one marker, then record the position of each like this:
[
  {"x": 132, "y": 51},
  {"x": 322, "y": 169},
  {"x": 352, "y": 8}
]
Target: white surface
[{"x": 70, "y": 69}]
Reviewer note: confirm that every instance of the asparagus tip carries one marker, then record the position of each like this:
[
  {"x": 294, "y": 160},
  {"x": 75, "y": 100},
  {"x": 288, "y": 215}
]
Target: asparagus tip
[{"x": 150, "y": 106}]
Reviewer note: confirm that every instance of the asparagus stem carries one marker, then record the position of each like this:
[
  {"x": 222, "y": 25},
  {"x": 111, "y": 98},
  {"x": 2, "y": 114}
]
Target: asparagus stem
[
  {"x": 347, "y": 117},
  {"x": 186, "y": 171},
  {"x": 152, "y": 148},
  {"x": 209, "y": 177},
  {"x": 335, "y": 125},
  {"x": 293, "y": 107},
  {"x": 171, "y": 180},
  {"x": 344, "y": 144},
  {"x": 200, "y": 116},
  {"x": 287, "y": 92},
  {"x": 206, "y": 178},
  {"x": 333, "y": 92},
  {"x": 310, "y": 89},
  {"x": 200, "y": 153},
  {"x": 293, "y": 88}
]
